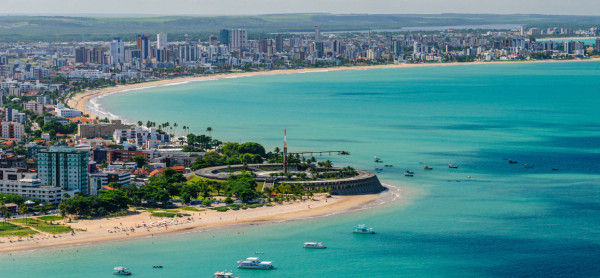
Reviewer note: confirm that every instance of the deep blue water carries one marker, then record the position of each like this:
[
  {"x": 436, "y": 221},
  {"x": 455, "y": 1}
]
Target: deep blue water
[{"x": 487, "y": 218}]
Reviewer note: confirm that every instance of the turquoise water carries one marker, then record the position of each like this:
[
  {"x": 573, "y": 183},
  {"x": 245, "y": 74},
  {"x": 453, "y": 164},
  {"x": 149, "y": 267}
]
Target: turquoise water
[
  {"x": 505, "y": 220},
  {"x": 586, "y": 41}
]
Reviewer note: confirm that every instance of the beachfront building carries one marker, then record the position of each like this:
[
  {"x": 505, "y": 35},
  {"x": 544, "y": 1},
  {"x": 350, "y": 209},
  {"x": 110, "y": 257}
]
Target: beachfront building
[
  {"x": 103, "y": 178},
  {"x": 64, "y": 167},
  {"x": 20, "y": 182},
  {"x": 99, "y": 130},
  {"x": 141, "y": 135},
  {"x": 65, "y": 112}
]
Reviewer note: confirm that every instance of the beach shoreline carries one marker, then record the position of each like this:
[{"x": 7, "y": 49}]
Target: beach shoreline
[
  {"x": 202, "y": 221},
  {"x": 81, "y": 101}
]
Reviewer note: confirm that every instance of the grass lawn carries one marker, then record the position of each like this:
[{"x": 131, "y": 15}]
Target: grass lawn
[
  {"x": 193, "y": 178},
  {"x": 9, "y": 230},
  {"x": 163, "y": 214},
  {"x": 44, "y": 227},
  {"x": 49, "y": 218},
  {"x": 190, "y": 209}
]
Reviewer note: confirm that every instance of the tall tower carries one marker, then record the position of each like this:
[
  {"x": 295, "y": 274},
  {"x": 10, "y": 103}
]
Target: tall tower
[
  {"x": 317, "y": 34},
  {"x": 284, "y": 150}
]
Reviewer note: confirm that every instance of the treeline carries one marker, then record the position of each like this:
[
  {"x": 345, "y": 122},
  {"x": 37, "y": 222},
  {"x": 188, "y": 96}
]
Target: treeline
[
  {"x": 159, "y": 192},
  {"x": 231, "y": 154}
]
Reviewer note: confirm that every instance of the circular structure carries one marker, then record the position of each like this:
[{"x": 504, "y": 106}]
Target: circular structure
[{"x": 361, "y": 182}]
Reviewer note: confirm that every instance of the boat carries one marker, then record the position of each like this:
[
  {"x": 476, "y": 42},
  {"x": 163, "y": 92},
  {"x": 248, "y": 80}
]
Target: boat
[
  {"x": 378, "y": 160},
  {"x": 452, "y": 166},
  {"x": 254, "y": 263},
  {"x": 314, "y": 245},
  {"x": 510, "y": 161},
  {"x": 157, "y": 266},
  {"x": 527, "y": 166},
  {"x": 362, "y": 229},
  {"x": 554, "y": 169},
  {"x": 119, "y": 270},
  {"x": 388, "y": 165},
  {"x": 409, "y": 174},
  {"x": 427, "y": 167},
  {"x": 259, "y": 252},
  {"x": 224, "y": 274}
]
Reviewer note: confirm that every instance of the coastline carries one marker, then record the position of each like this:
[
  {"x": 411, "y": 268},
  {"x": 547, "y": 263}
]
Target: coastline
[
  {"x": 208, "y": 220},
  {"x": 81, "y": 100}
]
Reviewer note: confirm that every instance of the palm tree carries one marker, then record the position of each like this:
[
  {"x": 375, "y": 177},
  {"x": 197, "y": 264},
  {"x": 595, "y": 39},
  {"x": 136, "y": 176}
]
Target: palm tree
[
  {"x": 4, "y": 212},
  {"x": 23, "y": 210},
  {"x": 209, "y": 129},
  {"x": 139, "y": 123},
  {"x": 175, "y": 127}
]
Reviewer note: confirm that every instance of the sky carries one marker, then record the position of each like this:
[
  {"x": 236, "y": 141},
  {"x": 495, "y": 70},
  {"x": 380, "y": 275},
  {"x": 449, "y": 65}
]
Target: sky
[{"x": 254, "y": 7}]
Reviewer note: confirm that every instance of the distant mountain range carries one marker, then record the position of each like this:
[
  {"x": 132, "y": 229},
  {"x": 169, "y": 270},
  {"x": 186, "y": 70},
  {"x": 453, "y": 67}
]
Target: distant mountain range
[{"x": 70, "y": 28}]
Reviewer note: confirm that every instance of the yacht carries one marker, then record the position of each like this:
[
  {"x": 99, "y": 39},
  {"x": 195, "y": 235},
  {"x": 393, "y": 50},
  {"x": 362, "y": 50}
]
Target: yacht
[
  {"x": 254, "y": 263},
  {"x": 119, "y": 270},
  {"x": 224, "y": 274},
  {"x": 314, "y": 245},
  {"x": 427, "y": 167},
  {"x": 362, "y": 229}
]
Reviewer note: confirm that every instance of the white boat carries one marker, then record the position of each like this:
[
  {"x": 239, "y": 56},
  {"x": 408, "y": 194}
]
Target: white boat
[
  {"x": 119, "y": 270},
  {"x": 362, "y": 229},
  {"x": 314, "y": 245},
  {"x": 254, "y": 263},
  {"x": 224, "y": 274}
]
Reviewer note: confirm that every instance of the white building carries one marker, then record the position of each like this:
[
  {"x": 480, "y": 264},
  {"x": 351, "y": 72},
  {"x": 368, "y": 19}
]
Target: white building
[
  {"x": 238, "y": 39},
  {"x": 141, "y": 135},
  {"x": 35, "y": 107},
  {"x": 161, "y": 41},
  {"x": 19, "y": 182},
  {"x": 117, "y": 51},
  {"x": 12, "y": 130},
  {"x": 62, "y": 111}
]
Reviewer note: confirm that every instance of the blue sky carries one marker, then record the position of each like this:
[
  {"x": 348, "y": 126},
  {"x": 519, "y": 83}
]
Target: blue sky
[{"x": 236, "y": 7}]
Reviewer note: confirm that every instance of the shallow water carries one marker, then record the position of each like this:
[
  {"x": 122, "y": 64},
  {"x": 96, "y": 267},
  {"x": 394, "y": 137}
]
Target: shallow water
[{"x": 486, "y": 218}]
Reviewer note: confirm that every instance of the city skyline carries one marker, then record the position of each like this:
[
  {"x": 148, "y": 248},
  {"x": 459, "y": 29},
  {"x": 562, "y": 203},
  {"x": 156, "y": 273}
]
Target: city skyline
[{"x": 257, "y": 7}]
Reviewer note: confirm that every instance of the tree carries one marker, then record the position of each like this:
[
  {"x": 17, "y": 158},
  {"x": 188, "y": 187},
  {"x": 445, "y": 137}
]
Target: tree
[
  {"x": 23, "y": 210},
  {"x": 209, "y": 130},
  {"x": 139, "y": 160}
]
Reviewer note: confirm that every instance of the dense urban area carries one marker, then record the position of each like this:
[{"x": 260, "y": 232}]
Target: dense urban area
[{"x": 54, "y": 156}]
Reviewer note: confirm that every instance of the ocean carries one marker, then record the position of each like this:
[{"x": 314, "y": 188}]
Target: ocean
[{"x": 487, "y": 218}]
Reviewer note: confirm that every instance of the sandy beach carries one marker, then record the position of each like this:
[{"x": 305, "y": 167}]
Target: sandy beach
[
  {"x": 80, "y": 101},
  {"x": 144, "y": 225}
]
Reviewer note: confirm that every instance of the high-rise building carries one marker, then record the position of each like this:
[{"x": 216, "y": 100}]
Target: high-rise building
[
  {"x": 224, "y": 37},
  {"x": 317, "y": 34},
  {"x": 12, "y": 130},
  {"x": 80, "y": 55},
  {"x": 238, "y": 39},
  {"x": 188, "y": 53},
  {"x": 161, "y": 41},
  {"x": 397, "y": 47},
  {"x": 117, "y": 51},
  {"x": 597, "y": 46},
  {"x": 262, "y": 46},
  {"x": 279, "y": 43},
  {"x": 212, "y": 40},
  {"x": 143, "y": 44},
  {"x": 64, "y": 167},
  {"x": 3, "y": 60},
  {"x": 161, "y": 47}
]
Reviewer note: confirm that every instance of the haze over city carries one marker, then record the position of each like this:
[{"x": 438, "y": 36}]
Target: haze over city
[{"x": 242, "y": 7}]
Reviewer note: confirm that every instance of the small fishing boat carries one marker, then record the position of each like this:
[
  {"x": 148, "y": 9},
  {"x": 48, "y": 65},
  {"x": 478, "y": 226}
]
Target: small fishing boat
[
  {"x": 510, "y": 161},
  {"x": 389, "y": 165},
  {"x": 378, "y": 160},
  {"x": 259, "y": 252},
  {"x": 119, "y": 270},
  {"x": 362, "y": 229},
  {"x": 427, "y": 167},
  {"x": 224, "y": 274},
  {"x": 527, "y": 166},
  {"x": 157, "y": 266},
  {"x": 409, "y": 174},
  {"x": 452, "y": 166},
  {"x": 314, "y": 245},
  {"x": 554, "y": 169}
]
